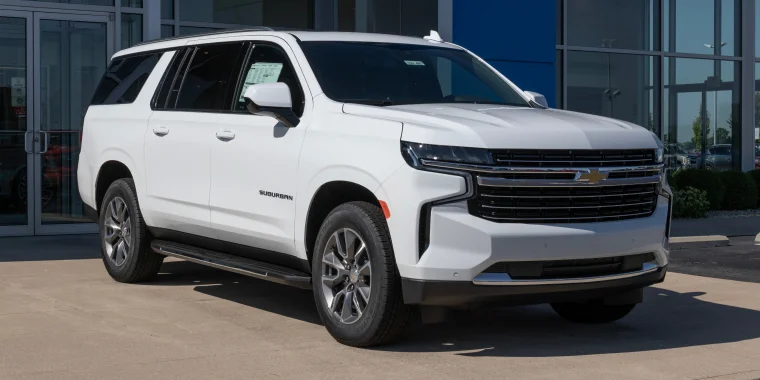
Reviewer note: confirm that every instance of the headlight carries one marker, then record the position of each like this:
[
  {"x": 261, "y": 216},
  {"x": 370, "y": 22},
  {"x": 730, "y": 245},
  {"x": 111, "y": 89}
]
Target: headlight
[
  {"x": 659, "y": 153},
  {"x": 417, "y": 155}
]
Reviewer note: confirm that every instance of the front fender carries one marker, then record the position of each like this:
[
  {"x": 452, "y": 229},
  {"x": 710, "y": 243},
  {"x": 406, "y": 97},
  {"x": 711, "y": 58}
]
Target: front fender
[{"x": 335, "y": 173}]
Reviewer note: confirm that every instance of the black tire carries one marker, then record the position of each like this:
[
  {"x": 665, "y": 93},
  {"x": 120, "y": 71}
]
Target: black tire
[
  {"x": 385, "y": 317},
  {"x": 141, "y": 263},
  {"x": 594, "y": 312}
]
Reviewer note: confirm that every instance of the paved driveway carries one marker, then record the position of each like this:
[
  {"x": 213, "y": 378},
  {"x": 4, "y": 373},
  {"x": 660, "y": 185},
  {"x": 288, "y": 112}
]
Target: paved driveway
[{"x": 66, "y": 319}]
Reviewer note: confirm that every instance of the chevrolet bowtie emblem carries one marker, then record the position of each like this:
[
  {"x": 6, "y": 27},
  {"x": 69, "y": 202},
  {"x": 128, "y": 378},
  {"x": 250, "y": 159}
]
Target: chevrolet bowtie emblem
[{"x": 593, "y": 177}]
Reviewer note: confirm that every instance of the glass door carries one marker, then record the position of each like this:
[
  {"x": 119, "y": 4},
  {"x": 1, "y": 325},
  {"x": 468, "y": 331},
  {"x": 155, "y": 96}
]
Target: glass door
[
  {"x": 16, "y": 127},
  {"x": 72, "y": 53}
]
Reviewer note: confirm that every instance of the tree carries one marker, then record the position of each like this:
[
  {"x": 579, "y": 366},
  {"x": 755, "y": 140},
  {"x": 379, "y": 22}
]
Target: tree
[
  {"x": 696, "y": 127},
  {"x": 722, "y": 136}
]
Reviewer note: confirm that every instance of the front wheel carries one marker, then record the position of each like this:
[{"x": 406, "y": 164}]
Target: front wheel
[
  {"x": 357, "y": 287},
  {"x": 592, "y": 312}
]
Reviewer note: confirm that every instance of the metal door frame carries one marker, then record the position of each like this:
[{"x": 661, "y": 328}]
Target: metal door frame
[
  {"x": 55, "y": 229},
  {"x": 27, "y": 229}
]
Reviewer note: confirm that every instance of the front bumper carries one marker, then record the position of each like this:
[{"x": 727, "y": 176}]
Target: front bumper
[
  {"x": 460, "y": 293},
  {"x": 462, "y": 246},
  {"x": 448, "y": 270}
]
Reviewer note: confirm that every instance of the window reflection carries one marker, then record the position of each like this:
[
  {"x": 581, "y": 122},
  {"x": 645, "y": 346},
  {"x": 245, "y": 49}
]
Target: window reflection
[
  {"x": 620, "y": 24},
  {"x": 167, "y": 9},
  {"x": 281, "y": 13},
  {"x": 405, "y": 17},
  {"x": 709, "y": 27},
  {"x": 702, "y": 111},
  {"x": 131, "y": 30},
  {"x": 620, "y": 86}
]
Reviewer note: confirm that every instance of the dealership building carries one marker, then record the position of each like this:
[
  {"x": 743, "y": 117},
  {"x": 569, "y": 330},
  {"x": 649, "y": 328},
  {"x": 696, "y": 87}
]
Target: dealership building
[{"x": 686, "y": 69}]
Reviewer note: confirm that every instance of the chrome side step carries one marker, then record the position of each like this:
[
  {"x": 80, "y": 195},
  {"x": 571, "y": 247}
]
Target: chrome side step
[{"x": 236, "y": 264}]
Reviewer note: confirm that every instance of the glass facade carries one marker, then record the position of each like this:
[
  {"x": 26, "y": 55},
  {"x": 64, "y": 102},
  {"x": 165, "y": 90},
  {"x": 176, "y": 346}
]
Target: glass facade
[
  {"x": 672, "y": 66},
  {"x": 405, "y": 17},
  {"x": 131, "y": 29}
]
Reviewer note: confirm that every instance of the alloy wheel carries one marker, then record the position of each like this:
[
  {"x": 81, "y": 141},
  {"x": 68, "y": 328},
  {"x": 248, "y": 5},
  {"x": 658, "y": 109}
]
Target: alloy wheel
[
  {"x": 118, "y": 231},
  {"x": 346, "y": 276}
]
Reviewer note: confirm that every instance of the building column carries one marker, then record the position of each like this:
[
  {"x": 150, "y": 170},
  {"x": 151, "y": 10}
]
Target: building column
[
  {"x": 748, "y": 86},
  {"x": 152, "y": 19}
]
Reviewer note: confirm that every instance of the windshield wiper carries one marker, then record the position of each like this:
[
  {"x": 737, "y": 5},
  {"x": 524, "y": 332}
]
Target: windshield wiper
[{"x": 370, "y": 102}]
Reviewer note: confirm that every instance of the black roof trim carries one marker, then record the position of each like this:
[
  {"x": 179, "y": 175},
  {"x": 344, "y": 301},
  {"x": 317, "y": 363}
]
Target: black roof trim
[{"x": 214, "y": 33}]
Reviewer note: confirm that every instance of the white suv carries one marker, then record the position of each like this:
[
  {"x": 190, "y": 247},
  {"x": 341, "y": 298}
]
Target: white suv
[{"x": 383, "y": 172}]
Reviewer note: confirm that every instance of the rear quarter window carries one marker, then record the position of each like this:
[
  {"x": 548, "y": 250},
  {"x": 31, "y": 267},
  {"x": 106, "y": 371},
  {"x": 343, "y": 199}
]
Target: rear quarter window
[{"x": 124, "y": 79}]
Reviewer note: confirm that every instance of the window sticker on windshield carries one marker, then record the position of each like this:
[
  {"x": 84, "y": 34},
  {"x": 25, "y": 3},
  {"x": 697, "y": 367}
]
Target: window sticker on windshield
[
  {"x": 261, "y": 72},
  {"x": 415, "y": 63}
]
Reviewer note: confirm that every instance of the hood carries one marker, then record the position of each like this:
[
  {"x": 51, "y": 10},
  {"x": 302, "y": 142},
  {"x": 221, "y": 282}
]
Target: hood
[{"x": 504, "y": 127}]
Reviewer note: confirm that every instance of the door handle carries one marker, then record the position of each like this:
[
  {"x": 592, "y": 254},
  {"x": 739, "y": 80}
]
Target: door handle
[
  {"x": 225, "y": 135},
  {"x": 46, "y": 139},
  {"x": 160, "y": 131},
  {"x": 26, "y": 142}
]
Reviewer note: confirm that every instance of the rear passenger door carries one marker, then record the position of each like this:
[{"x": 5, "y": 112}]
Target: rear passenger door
[
  {"x": 254, "y": 168},
  {"x": 196, "y": 89}
]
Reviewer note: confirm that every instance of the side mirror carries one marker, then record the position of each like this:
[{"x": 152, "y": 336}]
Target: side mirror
[
  {"x": 272, "y": 99},
  {"x": 537, "y": 98}
]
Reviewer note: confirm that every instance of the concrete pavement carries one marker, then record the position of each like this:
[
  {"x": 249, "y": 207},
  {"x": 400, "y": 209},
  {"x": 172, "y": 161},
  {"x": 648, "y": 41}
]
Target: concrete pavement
[{"x": 66, "y": 319}]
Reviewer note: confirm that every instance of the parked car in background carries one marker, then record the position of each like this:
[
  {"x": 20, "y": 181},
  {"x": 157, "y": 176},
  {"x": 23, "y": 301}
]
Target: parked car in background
[
  {"x": 719, "y": 157},
  {"x": 676, "y": 157}
]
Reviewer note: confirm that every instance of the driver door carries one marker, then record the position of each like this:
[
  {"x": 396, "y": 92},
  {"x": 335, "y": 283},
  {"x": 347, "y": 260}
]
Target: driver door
[{"x": 254, "y": 160}]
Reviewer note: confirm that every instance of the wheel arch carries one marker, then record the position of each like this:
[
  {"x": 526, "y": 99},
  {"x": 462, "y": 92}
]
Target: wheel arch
[
  {"x": 327, "y": 197},
  {"x": 109, "y": 172}
]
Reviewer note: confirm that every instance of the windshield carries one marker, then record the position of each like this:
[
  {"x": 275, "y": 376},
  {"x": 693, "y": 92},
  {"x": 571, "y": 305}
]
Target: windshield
[{"x": 385, "y": 74}]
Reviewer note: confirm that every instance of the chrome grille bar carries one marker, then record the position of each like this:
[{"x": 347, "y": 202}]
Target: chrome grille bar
[
  {"x": 505, "y": 182},
  {"x": 613, "y": 217},
  {"x": 564, "y": 207},
  {"x": 563, "y": 196}
]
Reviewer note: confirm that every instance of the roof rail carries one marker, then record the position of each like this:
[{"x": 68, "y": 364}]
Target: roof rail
[{"x": 221, "y": 31}]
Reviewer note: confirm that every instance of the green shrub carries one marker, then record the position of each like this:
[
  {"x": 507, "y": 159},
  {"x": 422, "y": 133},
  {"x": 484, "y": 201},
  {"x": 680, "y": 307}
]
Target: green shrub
[
  {"x": 755, "y": 174},
  {"x": 704, "y": 180},
  {"x": 741, "y": 191},
  {"x": 690, "y": 203}
]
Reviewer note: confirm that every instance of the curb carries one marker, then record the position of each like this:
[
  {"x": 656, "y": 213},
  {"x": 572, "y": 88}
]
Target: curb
[{"x": 691, "y": 242}]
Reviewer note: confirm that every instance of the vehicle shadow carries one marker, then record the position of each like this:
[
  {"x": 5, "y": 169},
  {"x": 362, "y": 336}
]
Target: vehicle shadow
[
  {"x": 665, "y": 320},
  {"x": 264, "y": 295}
]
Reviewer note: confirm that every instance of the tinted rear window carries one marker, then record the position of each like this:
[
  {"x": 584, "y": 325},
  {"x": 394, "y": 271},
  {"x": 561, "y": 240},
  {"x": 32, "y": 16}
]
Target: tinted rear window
[{"x": 124, "y": 79}]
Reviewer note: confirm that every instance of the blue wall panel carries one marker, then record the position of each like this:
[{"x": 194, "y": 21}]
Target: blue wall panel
[
  {"x": 530, "y": 76},
  {"x": 518, "y": 37}
]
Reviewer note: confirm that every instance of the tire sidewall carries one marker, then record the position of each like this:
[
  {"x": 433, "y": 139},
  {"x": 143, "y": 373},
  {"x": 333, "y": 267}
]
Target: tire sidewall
[
  {"x": 347, "y": 217},
  {"x": 121, "y": 189}
]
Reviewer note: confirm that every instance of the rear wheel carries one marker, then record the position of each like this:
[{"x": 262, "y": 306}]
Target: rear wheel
[
  {"x": 357, "y": 287},
  {"x": 124, "y": 240},
  {"x": 593, "y": 312}
]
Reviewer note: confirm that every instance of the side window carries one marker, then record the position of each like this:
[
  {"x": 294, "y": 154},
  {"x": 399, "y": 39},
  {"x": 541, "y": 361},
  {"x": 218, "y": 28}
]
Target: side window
[
  {"x": 124, "y": 79},
  {"x": 209, "y": 81},
  {"x": 270, "y": 64},
  {"x": 170, "y": 75}
]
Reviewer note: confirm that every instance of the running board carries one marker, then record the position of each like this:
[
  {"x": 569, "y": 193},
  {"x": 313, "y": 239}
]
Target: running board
[{"x": 236, "y": 264}]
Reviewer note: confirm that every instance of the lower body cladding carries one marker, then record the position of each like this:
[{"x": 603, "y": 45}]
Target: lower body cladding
[{"x": 470, "y": 260}]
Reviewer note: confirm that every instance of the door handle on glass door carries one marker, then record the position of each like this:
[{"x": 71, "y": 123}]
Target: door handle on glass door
[
  {"x": 160, "y": 131},
  {"x": 46, "y": 140},
  {"x": 26, "y": 142},
  {"x": 225, "y": 135}
]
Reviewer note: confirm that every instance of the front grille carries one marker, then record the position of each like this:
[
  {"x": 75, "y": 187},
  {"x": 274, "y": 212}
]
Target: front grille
[
  {"x": 564, "y": 204},
  {"x": 567, "y": 269},
  {"x": 573, "y": 158},
  {"x": 554, "y": 186}
]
